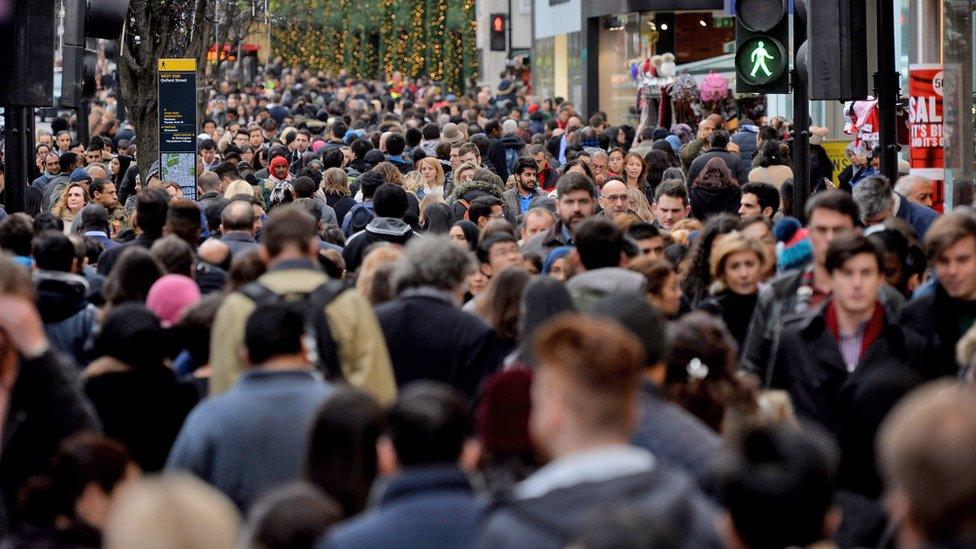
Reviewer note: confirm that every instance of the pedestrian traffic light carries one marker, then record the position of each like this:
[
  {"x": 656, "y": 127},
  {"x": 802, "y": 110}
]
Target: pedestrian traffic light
[
  {"x": 761, "y": 40},
  {"x": 836, "y": 56},
  {"x": 86, "y": 19},
  {"x": 26, "y": 40},
  {"x": 497, "y": 28}
]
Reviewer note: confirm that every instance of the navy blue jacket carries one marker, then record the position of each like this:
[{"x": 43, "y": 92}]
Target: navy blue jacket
[
  {"x": 917, "y": 215},
  {"x": 428, "y": 507}
]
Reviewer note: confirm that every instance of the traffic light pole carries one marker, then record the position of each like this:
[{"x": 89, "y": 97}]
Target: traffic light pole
[
  {"x": 801, "y": 129},
  {"x": 887, "y": 91},
  {"x": 19, "y": 154}
]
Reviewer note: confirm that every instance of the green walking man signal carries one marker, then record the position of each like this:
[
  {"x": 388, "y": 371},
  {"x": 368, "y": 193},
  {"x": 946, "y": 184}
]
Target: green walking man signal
[{"x": 758, "y": 58}]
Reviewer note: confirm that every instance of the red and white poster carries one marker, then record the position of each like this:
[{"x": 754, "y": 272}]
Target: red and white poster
[{"x": 926, "y": 130}]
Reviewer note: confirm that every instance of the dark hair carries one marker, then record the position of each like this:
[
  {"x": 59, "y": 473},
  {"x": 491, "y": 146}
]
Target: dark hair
[
  {"x": 196, "y": 326},
  {"x": 67, "y": 161},
  {"x": 699, "y": 275},
  {"x": 835, "y": 201},
  {"x": 643, "y": 231},
  {"x": 390, "y": 201},
  {"x": 341, "y": 456},
  {"x": 846, "y": 246},
  {"x": 207, "y": 144},
  {"x": 288, "y": 225},
  {"x": 471, "y": 233},
  {"x": 786, "y": 197},
  {"x": 428, "y": 424},
  {"x": 332, "y": 158},
  {"x": 656, "y": 161},
  {"x": 16, "y": 234},
  {"x": 430, "y": 131},
  {"x": 53, "y": 251},
  {"x": 83, "y": 459},
  {"x": 395, "y": 144},
  {"x": 599, "y": 243},
  {"x": 573, "y": 181},
  {"x": 524, "y": 163},
  {"x": 770, "y": 154},
  {"x": 174, "y": 254},
  {"x": 778, "y": 486},
  {"x": 272, "y": 331},
  {"x": 767, "y": 195},
  {"x": 438, "y": 218},
  {"x": 131, "y": 277},
  {"x": 359, "y": 148},
  {"x": 484, "y": 246},
  {"x": 45, "y": 221},
  {"x": 295, "y": 515},
  {"x": 720, "y": 139},
  {"x": 97, "y": 186},
  {"x": 151, "y": 210},
  {"x": 481, "y": 207},
  {"x": 304, "y": 187},
  {"x": 370, "y": 181},
  {"x": 227, "y": 169},
  {"x": 183, "y": 220},
  {"x": 768, "y": 132},
  {"x": 675, "y": 188},
  {"x": 501, "y": 304}
]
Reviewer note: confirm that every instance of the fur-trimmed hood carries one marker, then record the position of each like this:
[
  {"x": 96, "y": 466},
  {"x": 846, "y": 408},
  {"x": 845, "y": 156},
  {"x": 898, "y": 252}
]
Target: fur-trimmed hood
[{"x": 463, "y": 188}]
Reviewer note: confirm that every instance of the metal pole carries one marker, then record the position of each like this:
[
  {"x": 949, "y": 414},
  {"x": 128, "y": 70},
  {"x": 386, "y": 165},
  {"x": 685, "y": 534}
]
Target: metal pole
[
  {"x": 508, "y": 50},
  {"x": 81, "y": 122},
  {"x": 886, "y": 90},
  {"x": 801, "y": 129},
  {"x": 19, "y": 154}
]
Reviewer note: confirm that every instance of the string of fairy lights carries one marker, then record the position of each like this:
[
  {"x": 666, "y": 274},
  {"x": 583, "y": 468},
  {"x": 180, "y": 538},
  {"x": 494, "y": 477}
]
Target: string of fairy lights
[{"x": 373, "y": 38}]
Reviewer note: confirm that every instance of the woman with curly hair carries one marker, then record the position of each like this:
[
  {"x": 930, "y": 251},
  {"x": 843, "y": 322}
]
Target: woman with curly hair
[
  {"x": 699, "y": 275},
  {"x": 73, "y": 200}
]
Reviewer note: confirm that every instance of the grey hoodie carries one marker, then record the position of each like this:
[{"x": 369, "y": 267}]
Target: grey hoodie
[{"x": 589, "y": 287}]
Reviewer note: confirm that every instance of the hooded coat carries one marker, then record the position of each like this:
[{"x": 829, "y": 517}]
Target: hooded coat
[
  {"x": 69, "y": 319},
  {"x": 470, "y": 190}
]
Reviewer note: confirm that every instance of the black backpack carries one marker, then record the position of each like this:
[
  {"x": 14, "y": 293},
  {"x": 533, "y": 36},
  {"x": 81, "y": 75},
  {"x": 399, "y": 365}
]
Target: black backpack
[{"x": 311, "y": 305}]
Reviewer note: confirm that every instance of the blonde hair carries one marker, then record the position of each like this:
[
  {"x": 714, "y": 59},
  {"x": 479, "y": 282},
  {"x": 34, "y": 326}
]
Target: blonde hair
[
  {"x": 413, "y": 182},
  {"x": 238, "y": 187},
  {"x": 681, "y": 231},
  {"x": 172, "y": 510},
  {"x": 335, "y": 181},
  {"x": 438, "y": 188},
  {"x": 732, "y": 243},
  {"x": 62, "y": 204},
  {"x": 640, "y": 205},
  {"x": 372, "y": 263},
  {"x": 427, "y": 201}
]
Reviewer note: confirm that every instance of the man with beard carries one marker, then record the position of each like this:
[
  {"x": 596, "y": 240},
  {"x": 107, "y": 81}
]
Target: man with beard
[
  {"x": 575, "y": 200},
  {"x": 519, "y": 198}
]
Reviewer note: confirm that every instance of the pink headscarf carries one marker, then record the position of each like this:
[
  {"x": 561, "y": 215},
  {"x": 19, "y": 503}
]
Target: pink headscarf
[{"x": 170, "y": 296}]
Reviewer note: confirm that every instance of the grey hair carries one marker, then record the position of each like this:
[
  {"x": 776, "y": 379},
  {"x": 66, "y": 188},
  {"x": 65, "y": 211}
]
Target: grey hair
[
  {"x": 433, "y": 261},
  {"x": 673, "y": 173},
  {"x": 599, "y": 153},
  {"x": 905, "y": 183},
  {"x": 873, "y": 196}
]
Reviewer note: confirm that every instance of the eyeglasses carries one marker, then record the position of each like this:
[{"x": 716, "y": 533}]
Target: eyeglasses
[{"x": 615, "y": 197}]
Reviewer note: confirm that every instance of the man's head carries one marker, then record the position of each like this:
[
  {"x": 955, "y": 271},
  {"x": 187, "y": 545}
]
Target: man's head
[
  {"x": 485, "y": 208},
  {"x": 537, "y": 220},
  {"x": 927, "y": 448},
  {"x": 390, "y": 201},
  {"x": 599, "y": 242},
  {"x": 68, "y": 162},
  {"x": 238, "y": 216},
  {"x": 150, "y": 214},
  {"x": 719, "y": 140},
  {"x": 585, "y": 385},
  {"x": 614, "y": 199},
  {"x": 600, "y": 165},
  {"x": 433, "y": 261},
  {"x": 53, "y": 251},
  {"x": 526, "y": 174},
  {"x": 51, "y": 164},
  {"x": 174, "y": 255},
  {"x": 951, "y": 246},
  {"x": 16, "y": 234},
  {"x": 541, "y": 157},
  {"x": 469, "y": 152},
  {"x": 705, "y": 129},
  {"x": 208, "y": 151},
  {"x": 856, "y": 267},
  {"x": 777, "y": 487},
  {"x": 64, "y": 141},
  {"x": 370, "y": 181},
  {"x": 875, "y": 200},
  {"x": 671, "y": 203},
  {"x": 395, "y": 144},
  {"x": 829, "y": 214},
  {"x": 575, "y": 199},
  {"x": 916, "y": 189},
  {"x": 183, "y": 220},
  {"x": 94, "y": 217},
  {"x": 226, "y": 172},
  {"x": 273, "y": 333},
  {"x": 209, "y": 182},
  {"x": 428, "y": 425},
  {"x": 758, "y": 199},
  {"x": 649, "y": 239},
  {"x": 498, "y": 252},
  {"x": 289, "y": 233}
]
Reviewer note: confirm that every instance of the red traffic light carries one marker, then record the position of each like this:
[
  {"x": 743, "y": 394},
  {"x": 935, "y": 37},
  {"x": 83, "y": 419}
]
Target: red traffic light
[{"x": 498, "y": 23}]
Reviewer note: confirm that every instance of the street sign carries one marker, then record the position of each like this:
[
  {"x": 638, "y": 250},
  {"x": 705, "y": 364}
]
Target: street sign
[{"x": 177, "y": 87}]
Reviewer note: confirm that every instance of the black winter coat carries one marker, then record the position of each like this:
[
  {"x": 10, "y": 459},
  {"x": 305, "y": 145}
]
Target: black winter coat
[
  {"x": 430, "y": 338},
  {"x": 810, "y": 367},
  {"x": 936, "y": 317},
  {"x": 45, "y": 408}
]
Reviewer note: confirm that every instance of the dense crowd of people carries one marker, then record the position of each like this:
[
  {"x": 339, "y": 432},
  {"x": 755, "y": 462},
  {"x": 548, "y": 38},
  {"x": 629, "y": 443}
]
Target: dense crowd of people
[{"x": 389, "y": 316}]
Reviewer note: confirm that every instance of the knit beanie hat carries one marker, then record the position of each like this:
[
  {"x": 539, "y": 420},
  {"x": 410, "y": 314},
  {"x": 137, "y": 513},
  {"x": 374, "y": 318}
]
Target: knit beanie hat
[
  {"x": 502, "y": 416},
  {"x": 793, "y": 248},
  {"x": 170, "y": 296}
]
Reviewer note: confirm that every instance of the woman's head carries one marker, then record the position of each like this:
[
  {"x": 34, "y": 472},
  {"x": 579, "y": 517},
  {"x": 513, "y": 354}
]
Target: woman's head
[
  {"x": 635, "y": 170},
  {"x": 500, "y": 306},
  {"x": 663, "y": 287},
  {"x": 465, "y": 172},
  {"x": 132, "y": 276},
  {"x": 75, "y": 198},
  {"x": 237, "y": 188},
  {"x": 737, "y": 263},
  {"x": 373, "y": 281},
  {"x": 79, "y": 484},
  {"x": 465, "y": 233},
  {"x": 657, "y": 162},
  {"x": 699, "y": 271},
  {"x": 341, "y": 457},
  {"x": 716, "y": 175},
  {"x": 432, "y": 171},
  {"x": 771, "y": 154},
  {"x": 640, "y": 205},
  {"x": 335, "y": 182},
  {"x": 616, "y": 164}
]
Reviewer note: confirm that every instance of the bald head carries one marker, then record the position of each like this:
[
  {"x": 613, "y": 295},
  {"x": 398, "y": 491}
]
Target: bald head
[
  {"x": 213, "y": 252},
  {"x": 613, "y": 198},
  {"x": 96, "y": 171},
  {"x": 238, "y": 216}
]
